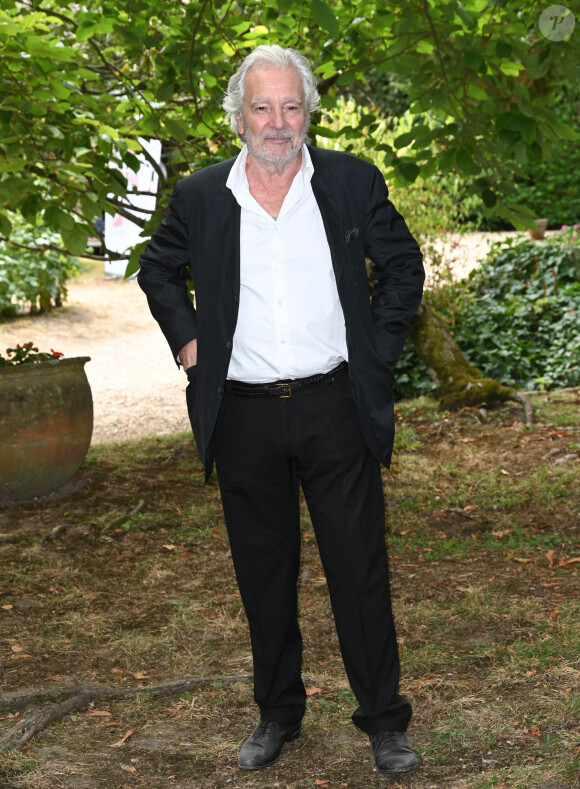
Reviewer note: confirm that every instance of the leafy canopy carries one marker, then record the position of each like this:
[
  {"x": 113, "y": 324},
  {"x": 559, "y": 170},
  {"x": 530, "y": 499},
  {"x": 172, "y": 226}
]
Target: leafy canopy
[{"x": 81, "y": 84}]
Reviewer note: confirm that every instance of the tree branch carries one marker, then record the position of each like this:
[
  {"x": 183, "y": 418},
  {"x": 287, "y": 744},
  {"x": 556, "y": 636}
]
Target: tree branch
[{"x": 81, "y": 696}]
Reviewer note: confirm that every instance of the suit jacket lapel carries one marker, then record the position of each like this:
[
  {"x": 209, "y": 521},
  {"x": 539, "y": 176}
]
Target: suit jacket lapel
[
  {"x": 228, "y": 214},
  {"x": 326, "y": 191}
]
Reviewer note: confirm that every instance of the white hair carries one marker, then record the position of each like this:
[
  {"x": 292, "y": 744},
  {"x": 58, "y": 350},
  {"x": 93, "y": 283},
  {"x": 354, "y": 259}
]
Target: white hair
[{"x": 261, "y": 57}]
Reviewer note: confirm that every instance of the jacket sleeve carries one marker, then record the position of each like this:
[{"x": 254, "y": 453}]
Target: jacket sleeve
[
  {"x": 165, "y": 269},
  {"x": 398, "y": 273}
]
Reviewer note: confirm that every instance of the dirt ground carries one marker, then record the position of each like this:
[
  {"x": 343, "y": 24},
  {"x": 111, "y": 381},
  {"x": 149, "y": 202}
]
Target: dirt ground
[{"x": 126, "y": 583}]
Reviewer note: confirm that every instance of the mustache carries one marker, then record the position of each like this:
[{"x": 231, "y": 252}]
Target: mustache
[{"x": 286, "y": 134}]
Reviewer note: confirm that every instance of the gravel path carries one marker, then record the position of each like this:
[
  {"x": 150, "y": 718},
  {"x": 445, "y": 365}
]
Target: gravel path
[{"x": 137, "y": 389}]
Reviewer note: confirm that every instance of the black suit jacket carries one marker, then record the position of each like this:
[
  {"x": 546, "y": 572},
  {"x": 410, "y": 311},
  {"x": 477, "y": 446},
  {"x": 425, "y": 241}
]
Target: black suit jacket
[{"x": 201, "y": 234}]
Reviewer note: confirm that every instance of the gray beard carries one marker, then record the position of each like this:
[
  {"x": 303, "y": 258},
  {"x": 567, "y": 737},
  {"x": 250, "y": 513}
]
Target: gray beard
[{"x": 257, "y": 148}]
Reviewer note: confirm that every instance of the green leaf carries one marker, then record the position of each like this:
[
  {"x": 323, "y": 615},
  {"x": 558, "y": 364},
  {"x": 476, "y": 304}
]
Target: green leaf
[
  {"x": 475, "y": 92},
  {"x": 511, "y": 68},
  {"x": 408, "y": 170},
  {"x": 404, "y": 139},
  {"x": 133, "y": 264},
  {"x": 323, "y": 131},
  {"x": 512, "y": 121},
  {"x": 5, "y": 225},
  {"x": 58, "y": 219},
  {"x": 473, "y": 59},
  {"x": 489, "y": 197},
  {"x": 12, "y": 165},
  {"x": 75, "y": 240},
  {"x": 466, "y": 17},
  {"x": 324, "y": 16},
  {"x": 165, "y": 91},
  {"x": 464, "y": 161},
  {"x": 503, "y": 49}
]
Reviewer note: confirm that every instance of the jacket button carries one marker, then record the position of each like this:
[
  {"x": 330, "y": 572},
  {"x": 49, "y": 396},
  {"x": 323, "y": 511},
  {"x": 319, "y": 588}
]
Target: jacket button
[
  {"x": 220, "y": 390},
  {"x": 236, "y": 299},
  {"x": 229, "y": 345}
]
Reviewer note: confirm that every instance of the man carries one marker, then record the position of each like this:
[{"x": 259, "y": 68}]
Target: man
[{"x": 290, "y": 370}]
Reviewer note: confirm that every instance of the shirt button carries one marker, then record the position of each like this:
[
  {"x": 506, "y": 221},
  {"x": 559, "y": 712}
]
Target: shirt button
[
  {"x": 229, "y": 344},
  {"x": 282, "y": 342}
]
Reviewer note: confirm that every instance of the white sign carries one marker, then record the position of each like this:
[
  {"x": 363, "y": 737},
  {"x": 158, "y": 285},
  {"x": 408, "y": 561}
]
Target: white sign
[{"x": 120, "y": 233}]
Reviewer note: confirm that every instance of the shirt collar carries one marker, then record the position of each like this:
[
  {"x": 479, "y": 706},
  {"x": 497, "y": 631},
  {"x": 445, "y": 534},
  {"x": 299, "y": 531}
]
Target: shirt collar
[{"x": 238, "y": 180}]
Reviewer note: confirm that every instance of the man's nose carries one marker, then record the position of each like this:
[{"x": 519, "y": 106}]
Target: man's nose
[{"x": 277, "y": 118}]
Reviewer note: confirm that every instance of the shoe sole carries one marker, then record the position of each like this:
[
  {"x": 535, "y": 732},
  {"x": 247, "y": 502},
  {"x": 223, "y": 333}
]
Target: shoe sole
[
  {"x": 294, "y": 736},
  {"x": 395, "y": 772}
]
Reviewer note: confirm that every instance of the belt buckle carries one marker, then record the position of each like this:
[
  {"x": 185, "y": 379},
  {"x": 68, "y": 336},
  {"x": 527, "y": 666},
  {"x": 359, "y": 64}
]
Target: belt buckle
[{"x": 289, "y": 390}]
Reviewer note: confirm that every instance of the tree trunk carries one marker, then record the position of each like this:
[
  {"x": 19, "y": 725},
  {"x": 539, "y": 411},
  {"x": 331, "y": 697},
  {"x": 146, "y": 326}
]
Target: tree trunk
[{"x": 459, "y": 382}]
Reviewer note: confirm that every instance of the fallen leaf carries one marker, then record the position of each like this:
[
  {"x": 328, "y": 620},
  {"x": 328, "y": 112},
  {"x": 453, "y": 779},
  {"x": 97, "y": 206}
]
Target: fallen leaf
[
  {"x": 139, "y": 674},
  {"x": 553, "y": 614},
  {"x": 535, "y": 731},
  {"x": 531, "y": 673},
  {"x": 312, "y": 690},
  {"x": 470, "y": 508},
  {"x": 569, "y": 562},
  {"x": 550, "y": 557},
  {"x": 17, "y": 648},
  {"x": 7, "y": 607},
  {"x": 502, "y": 532},
  {"x": 99, "y": 714},
  {"x": 170, "y": 547},
  {"x": 522, "y": 561},
  {"x": 21, "y": 655},
  {"x": 128, "y": 769},
  {"x": 123, "y": 740},
  {"x": 107, "y": 724},
  {"x": 321, "y": 782}
]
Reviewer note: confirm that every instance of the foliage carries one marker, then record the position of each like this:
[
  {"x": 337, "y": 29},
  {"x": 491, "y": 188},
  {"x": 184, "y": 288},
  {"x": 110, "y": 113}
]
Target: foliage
[
  {"x": 26, "y": 354},
  {"x": 479, "y": 78},
  {"x": 551, "y": 190},
  {"x": 515, "y": 318},
  {"x": 33, "y": 270},
  {"x": 433, "y": 204}
]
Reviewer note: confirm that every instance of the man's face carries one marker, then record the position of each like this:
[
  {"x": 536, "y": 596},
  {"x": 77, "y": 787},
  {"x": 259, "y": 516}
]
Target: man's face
[{"x": 273, "y": 121}]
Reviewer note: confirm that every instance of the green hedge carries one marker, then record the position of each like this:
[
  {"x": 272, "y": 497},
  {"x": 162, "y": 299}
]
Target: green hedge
[
  {"x": 32, "y": 278},
  {"x": 515, "y": 318}
]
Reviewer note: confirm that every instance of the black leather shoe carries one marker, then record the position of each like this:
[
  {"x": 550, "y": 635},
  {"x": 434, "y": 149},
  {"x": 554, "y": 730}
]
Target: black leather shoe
[
  {"x": 265, "y": 745},
  {"x": 392, "y": 752}
]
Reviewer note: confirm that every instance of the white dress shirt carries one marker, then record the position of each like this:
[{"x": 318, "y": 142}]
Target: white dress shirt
[{"x": 290, "y": 321}]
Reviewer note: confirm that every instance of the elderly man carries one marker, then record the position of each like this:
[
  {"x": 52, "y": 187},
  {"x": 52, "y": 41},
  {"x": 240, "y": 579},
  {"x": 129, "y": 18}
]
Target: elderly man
[{"x": 290, "y": 369}]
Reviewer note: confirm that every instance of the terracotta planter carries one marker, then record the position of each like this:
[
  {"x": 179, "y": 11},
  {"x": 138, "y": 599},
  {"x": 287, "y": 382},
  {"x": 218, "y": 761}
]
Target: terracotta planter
[
  {"x": 46, "y": 423},
  {"x": 541, "y": 227}
]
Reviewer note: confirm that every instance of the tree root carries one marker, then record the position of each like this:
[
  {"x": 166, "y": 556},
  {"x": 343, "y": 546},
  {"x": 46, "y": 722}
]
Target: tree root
[
  {"x": 80, "y": 696},
  {"x": 459, "y": 382}
]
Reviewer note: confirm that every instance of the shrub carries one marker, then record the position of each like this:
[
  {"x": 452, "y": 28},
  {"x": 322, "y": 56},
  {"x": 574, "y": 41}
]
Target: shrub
[
  {"x": 32, "y": 277},
  {"x": 515, "y": 318}
]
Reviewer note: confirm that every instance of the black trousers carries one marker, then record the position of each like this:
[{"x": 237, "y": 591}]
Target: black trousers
[{"x": 264, "y": 448}]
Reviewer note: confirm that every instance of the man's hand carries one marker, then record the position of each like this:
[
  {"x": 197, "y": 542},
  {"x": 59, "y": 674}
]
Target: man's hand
[{"x": 188, "y": 355}]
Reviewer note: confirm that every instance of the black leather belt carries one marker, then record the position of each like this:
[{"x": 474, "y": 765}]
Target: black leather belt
[{"x": 281, "y": 388}]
